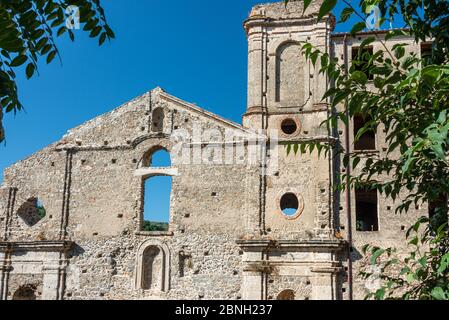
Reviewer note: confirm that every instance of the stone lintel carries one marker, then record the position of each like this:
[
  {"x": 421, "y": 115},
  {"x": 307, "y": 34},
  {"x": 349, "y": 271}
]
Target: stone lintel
[
  {"x": 151, "y": 172},
  {"x": 328, "y": 269},
  {"x": 154, "y": 233}
]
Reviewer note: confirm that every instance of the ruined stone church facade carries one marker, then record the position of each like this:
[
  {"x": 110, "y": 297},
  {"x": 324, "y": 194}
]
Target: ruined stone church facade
[{"x": 229, "y": 236}]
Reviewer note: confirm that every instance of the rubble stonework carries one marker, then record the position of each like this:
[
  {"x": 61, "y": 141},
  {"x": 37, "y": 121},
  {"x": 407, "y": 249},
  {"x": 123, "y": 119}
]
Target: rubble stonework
[{"x": 227, "y": 237}]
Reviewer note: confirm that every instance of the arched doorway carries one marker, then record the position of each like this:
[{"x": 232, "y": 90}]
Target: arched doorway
[
  {"x": 27, "y": 292},
  {"x": 153, "y": 266},
  {"x": 286, "y": 295}
]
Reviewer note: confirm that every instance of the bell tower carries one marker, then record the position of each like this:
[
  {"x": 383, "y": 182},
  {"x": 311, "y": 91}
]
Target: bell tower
[
  {"x": 297, "y": 203},
  {"x": 282, "y": 84}
]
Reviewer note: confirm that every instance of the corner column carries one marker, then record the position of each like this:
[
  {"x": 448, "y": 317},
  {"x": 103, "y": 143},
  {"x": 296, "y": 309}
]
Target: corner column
[
  {"x": 253, "y": 280},
  {"x": 325, "y": 283}
]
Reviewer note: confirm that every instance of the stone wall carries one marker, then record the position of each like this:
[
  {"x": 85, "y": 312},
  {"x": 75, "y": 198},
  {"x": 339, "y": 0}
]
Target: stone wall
[{"x": 392, "y": 226}]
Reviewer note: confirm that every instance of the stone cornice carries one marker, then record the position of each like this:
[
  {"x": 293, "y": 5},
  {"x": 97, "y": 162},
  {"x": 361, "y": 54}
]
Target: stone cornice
[
  {"x": 46, "y": 246},
  {"x": 334, "y": 245},
  {"x": 311, "y": 20}
]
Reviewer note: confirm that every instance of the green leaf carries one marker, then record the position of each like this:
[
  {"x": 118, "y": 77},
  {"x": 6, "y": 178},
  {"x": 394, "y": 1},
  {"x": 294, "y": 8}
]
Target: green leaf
[
  {"x": 366, "y": 42},
  {"x": 439, "y": 294},
  {"x": 346, "y": 14},
  {"x": 360, "y": 77},
  {"x": 359, "y": 26},
  {"x": 30, "y": 70},
  {"x": 330, "y": 93},
  {"x": 5, "y": 54},
  {"x": 340, "y": 96},
  {"x": 355, "y": 162},
  {"x": 376, "y": 254},
  {"x": 444, "y": 263},
  {"x": 109, "y": 32},
  {"x": 51, "y": 56},
  {"x": 95, "y": 32},
  {"x": 46, "y": 49},
  {"x": 19, "y": 60},
  {"x": 380, "y": 294},
  {"x": 41, "y": 43},
  {"x": 410, "y": 278},
  {"x": 326, "y": 8},
  {"x": 71, "y": 35},
  {"x": 61, "y": 31},
  {"x": 414, "y": 241},
  {"x": 102, "y": 39},
  {"x": 295, "y": 148},
  {"x": 399, "y": 52}
]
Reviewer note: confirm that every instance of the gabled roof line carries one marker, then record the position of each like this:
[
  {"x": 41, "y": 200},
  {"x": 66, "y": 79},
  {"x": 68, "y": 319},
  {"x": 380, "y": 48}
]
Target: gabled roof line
[{"x": 202, "y": 111}]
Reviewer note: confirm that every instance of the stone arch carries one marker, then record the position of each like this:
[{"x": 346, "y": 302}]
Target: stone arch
[
  {"x": 290, "y": 81},
  {"x": 157, "y": 120},
  {"x": 25, "y": 292},
  {"x": 287, "y": 294},
  {"x": 153, "y": 266},
  {"x": 147, "y": 159},
  {"x": 32, "y": 211}
]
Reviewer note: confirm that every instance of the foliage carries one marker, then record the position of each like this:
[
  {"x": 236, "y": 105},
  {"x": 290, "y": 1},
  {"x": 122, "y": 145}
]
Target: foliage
[
  {"x": 41, "y": 212},
  {"x": 155, "y": 226},
  {"x": 28, "y": 31},
  {"x": 421, "y": 274},
  {"x": 406, "y": 98}
]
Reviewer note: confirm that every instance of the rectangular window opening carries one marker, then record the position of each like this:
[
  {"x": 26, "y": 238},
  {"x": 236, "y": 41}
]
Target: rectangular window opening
[
  {"x": 438, "y": 211},
  {"x": 156, "y": 204},
  {"x": 367, "y": 216}
]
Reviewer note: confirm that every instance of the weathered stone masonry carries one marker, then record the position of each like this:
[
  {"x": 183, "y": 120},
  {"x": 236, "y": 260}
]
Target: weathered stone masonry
[{"x": 228, "y": 237}]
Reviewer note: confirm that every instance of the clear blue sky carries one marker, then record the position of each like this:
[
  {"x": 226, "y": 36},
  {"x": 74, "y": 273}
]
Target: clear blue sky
[{"x": 194, "y": 49}]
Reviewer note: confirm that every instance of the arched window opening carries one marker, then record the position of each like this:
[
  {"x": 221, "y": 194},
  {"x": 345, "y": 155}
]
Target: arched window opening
[
  {"x": 160, "y": 158},
  {"x": 26, "y": 292},
  {"x": 290, "y": 75},
  {"x": 157, "y": 120},
  {"x": 286, "y": 295},
  {"x": 32, "y": 211},
  {"x": 157, "y": 158}
]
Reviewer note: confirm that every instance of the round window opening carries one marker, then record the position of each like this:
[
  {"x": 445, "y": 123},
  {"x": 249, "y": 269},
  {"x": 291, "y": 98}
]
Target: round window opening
[
  {"x": 289, "y": 204},
  {"x": 289, "y": 126}
]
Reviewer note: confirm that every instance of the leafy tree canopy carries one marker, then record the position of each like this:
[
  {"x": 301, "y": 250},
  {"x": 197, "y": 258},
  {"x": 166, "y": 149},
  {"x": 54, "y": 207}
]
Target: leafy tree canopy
[
  {"x": 407, "y": 98},
  {"x": 28, "y": 32}
]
